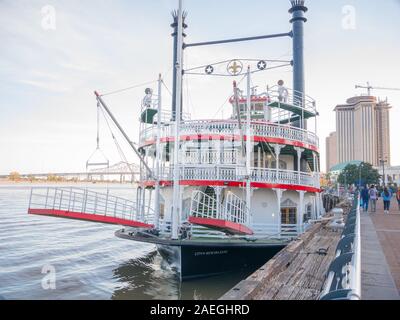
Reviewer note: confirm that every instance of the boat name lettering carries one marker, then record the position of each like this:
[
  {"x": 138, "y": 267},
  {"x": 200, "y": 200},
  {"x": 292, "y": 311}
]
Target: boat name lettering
[{"x": 207, "y": 253}]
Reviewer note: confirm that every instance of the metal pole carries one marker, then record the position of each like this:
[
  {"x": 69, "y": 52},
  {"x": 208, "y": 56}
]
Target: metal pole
[
  {"x": 176, "y": 188},
  {"x": 248, "y": 147},
  {"x": 174, "y": 57},
  {"x": 207, "y": 43},
  {"x": 384, "y": 177},
  {"x": 236, "y": 98},
  {"x": 158, "y": 159},
  {"x": 297, "y": 10}
]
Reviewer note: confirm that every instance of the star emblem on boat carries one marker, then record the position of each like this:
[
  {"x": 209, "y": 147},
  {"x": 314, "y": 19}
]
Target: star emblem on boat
[
  {"x": 209, "y": 69},
  {"x": 235, "y": 67},
  {"x": 261, "y": 65}
]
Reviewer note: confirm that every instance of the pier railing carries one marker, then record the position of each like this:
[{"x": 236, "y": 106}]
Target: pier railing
[
  {"x": 344, "y": 275},
  {"x": 89, "y": 202}
]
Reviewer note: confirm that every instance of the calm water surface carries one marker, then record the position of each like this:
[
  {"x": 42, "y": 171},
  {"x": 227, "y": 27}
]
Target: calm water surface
[{"x": 89, "y": 261}]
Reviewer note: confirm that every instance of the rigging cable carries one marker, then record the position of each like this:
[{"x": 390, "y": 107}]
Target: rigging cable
[
  {"x": 88, "y": 162},
  {"x": 119, "y": 149},
  {"x": 129, "y": 88}
]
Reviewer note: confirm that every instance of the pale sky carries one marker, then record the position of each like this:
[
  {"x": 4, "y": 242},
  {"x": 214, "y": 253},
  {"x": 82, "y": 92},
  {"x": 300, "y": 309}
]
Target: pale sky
[{"x": 47, "y": 76}]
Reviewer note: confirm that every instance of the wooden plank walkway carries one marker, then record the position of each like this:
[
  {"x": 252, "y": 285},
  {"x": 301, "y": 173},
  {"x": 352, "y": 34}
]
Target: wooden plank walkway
[
  {"x": 380, "y": 254},
  {"x": 298, "y": 272}
]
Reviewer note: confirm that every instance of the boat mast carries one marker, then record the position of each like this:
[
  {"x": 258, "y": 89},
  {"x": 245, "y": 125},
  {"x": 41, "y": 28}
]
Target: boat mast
[
  {"x": 298, "y": 20},
  {"x": 178, "y": 91},
  {"x": 248, "y": 144},
  {"x": 158, "y": 158},
  {"x": 237, "y": 107}
]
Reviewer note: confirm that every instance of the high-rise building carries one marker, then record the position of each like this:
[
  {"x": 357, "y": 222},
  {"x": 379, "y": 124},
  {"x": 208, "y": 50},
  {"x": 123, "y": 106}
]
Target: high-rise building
[
  {"x": 362, "y": 126},
  {"x": 331, "y": 151},
  {"x": 383, "y": 131}
]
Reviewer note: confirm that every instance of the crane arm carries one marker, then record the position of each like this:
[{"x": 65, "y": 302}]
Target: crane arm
[
  {"x": 369, "y": 88},
  {"x": 381, "y": 88}
]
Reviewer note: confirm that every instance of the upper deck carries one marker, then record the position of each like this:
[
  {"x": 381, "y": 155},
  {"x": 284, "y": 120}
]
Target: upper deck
[
  {"x": 284, "y": 150},
  {"x": 277, "y": 116},
  {"x": 262, "y": 131}
]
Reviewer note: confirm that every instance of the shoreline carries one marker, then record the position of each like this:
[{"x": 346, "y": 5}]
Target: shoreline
[
  {"x": 4, "y": 184},
  {"x": 44, "y": 182}
]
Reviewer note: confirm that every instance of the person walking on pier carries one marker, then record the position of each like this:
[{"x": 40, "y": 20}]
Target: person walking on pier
[
  {"x": 387, "y": 197},
  {"x": 373, "y": 196},
  {"x": 365, "y": 198},
  {"x": 398, "y": 197}
]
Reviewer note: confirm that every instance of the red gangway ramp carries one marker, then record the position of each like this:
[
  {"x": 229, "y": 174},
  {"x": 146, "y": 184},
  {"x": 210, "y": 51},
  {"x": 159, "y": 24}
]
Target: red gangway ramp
[
  {"x": 226, "y": 226},
  {"x": 85, "y": 205}
]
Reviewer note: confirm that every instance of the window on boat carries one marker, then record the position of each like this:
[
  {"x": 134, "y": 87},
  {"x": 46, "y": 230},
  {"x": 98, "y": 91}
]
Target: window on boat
[
  {"x": 289, "y": 215},
  {"x": 282, "y": 165}
]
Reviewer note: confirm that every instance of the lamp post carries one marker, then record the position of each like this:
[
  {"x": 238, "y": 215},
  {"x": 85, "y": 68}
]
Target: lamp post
[
  {"x": 382, "y": 162},
  {"x": 359, "y": 175}
]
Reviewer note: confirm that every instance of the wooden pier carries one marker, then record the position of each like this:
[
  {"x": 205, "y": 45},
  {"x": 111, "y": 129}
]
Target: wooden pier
[{"x": 299, "y": 271}]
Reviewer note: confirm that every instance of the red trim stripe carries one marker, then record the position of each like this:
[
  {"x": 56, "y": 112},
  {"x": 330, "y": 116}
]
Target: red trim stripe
[
  {"x": 237, "y": 184},
  {"x": 88, "y": 217},
  {"x": 203, "y": 137}
]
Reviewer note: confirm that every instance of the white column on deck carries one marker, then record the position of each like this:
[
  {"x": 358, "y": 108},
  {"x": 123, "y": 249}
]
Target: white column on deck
[
  {"x": 176, "y": 205},
  {"x": 158, "y": 160},
  {"x": 249, "y": 147},
  {"x": 299, "y": 152},
  {"x": 300, "y": 219},
  {"x": 279, "y": 193},
  {"x": 218, "y": 191},
  {"x": 277, "y": 149}
]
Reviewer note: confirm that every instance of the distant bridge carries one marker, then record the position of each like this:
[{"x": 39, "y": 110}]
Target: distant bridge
[{"x": 122, "y": 170}]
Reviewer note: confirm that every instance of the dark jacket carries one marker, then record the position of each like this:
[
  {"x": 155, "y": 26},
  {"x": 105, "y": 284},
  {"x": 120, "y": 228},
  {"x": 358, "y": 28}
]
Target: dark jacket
[{"x": 364, "y": 194}]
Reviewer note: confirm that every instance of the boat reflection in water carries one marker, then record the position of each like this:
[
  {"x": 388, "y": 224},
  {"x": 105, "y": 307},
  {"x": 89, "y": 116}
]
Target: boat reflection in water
[{"x": 151, "y": 277}]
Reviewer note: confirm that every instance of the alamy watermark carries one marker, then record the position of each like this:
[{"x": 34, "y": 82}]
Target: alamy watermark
[
  {"x": 49, "y": 18},
  {"x": 349, "y": 20},
  {"x": 49, "y": 280}
]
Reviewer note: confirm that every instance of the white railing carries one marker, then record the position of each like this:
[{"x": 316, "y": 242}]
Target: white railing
[
  {"x": 207, "y": 156},
  {"x": 238, "y": 173},
  {"x": 293, "y": 97},
  {"x": 85, "y": 201},
  {"x": 230, "y": 127},
  {"x": 203, "y": 205},
  {"x": 343, "y": 279},
  {"x": 284, "y": 177},
  {"x": 235, "y": 209},
  {"x": 261, "y": 231}
]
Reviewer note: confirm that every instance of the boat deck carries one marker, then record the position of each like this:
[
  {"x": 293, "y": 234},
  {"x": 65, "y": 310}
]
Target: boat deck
[{"x": 199, "y": 241}]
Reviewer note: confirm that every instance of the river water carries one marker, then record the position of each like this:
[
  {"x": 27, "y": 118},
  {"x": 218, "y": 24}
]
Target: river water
[{"x": 85, "y": 259}]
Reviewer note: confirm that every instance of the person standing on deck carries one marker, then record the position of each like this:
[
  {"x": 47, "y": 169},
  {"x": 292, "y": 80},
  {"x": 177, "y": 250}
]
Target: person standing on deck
[
  {"x": 373, "y": 196},
  {"x": 387, "y": 197},
  {"x": 282, "y": 92},
  {"x": 365, "y": 198},
  {"x": 398, "y": 197}
]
